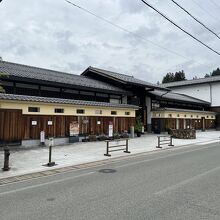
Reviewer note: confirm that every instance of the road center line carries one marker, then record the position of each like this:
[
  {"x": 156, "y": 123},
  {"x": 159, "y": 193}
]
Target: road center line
[
  {"x": 176, "y": 186},
  {"x": 45, "y": 184}
]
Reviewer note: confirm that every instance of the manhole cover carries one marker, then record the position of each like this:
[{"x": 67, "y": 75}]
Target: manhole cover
[
  {"x": 107, "y": 171},
  {"x": 50, "y": 199}
]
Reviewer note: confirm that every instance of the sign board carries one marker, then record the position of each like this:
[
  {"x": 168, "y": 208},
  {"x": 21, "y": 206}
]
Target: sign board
[
  {"x": 110, "y": 130},
  {"x": 74, "y": 128},
  {"x": 50, "y": 122},
  {"x": 86, "y": 121},
  {"x": 33, "y": 122},
  {"x": 42, "y": 137}
]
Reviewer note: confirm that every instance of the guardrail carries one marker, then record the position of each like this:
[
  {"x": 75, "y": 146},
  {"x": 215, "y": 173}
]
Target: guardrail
[
  {"x": 118, "y": 141},
  {"x": 164, "y": 140}
]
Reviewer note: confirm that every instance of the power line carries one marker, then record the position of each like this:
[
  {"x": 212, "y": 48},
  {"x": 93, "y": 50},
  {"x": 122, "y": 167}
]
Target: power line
[
  {"x": 195, "y": 19},
  {"x": 214, "y": 18},
  {"x": 216, "y": 5},
  {"x": 130, "y": 32},
  {"x": 172, "y": 22}
]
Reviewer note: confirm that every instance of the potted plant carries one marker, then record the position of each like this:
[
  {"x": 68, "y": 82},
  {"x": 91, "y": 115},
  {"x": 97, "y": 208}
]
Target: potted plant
[
  {"x": 116, "y": 136},
  {"x": 138, "y": 126}
]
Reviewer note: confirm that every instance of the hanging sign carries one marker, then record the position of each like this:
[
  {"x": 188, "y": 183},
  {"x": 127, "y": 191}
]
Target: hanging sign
[{"x": 33, "y": 122}]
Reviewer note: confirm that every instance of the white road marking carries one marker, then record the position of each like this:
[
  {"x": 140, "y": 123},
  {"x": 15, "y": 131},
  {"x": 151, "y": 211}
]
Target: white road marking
[
  {"x": 210, "y": 142},
  {"x": 163, "y": 157},
  {"x": 176, "y": 186},
  {"x": 44, "y": 184}
]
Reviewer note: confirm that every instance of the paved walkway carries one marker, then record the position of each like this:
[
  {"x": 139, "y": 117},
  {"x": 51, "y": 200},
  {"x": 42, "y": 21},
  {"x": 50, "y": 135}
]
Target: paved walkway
[{"x": 32, "y": 160}]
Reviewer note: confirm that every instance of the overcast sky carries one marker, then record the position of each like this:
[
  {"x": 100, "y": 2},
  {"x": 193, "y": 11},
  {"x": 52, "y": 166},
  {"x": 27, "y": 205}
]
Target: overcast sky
[{"x": 53, "y": 34}]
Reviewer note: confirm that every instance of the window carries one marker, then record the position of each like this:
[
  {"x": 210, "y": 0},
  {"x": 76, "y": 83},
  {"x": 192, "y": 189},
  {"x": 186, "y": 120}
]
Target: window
[
  {"x": 27, "y": 86},
  {"x": 113, "y": 113},
  {"x": 155, "y": 104},
  {"x": 98, "y": 112},
  {"x": 102, "y": 95},
  {"x": 178, "y": 115},
  {"x": 71, "y": 91},
  {"x": 212, "y": 117},
  {"x": 115, "y": 101},
  {"x": 59, "y": 110},
  {"x": 170, "y": 115},
  {"x": 127, "y": 113},
  {"x": 191, "y": 116},
  {"x": 33, "y": 109},
  {"x": 115, "y": 96},
  {"x": 185, "y": 116},
  {"x": 80, "y": 111},
  {"x": 47, "y": 88},
  {"x": 87, "y": 93},
  {"x": 207, "y": 116}
]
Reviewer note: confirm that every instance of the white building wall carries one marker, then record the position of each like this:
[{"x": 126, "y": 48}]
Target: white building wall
[
  {"x": 200, "y": 91},
  {"x": 215, "y": 94}
]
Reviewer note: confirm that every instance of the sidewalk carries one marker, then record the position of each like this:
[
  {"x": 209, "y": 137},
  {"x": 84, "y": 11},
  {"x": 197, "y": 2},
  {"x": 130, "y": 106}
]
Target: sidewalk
[{"x": 31, "y": 160}]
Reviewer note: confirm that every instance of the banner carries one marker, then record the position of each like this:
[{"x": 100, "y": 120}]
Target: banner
[{"x": 74, "y": 128}]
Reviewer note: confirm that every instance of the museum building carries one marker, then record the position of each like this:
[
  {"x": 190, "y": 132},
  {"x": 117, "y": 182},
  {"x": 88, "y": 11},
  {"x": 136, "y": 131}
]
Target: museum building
[{"x": 63, "y": 104}]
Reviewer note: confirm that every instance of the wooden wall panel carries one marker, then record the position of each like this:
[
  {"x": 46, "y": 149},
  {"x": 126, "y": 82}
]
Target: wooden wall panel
[
  {"x": 10, "y": 125},
  {"x": 15, "y": 126}
]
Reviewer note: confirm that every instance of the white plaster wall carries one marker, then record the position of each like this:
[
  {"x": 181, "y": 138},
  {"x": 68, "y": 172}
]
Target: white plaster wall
[
  {"x": 215, "y": 94},
  {"x": 201, "y": 91}
]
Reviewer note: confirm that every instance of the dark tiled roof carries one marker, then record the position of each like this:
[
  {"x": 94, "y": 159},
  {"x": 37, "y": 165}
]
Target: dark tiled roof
[
  {"x": 183, "y": 110},
  {"x": 178, "y": 97},
  {"x": 26, "y": 98},
  {"x": 120, "y": 77},
  {"x": 24, "y": 71},
  {"x": 191, "y": 82}
]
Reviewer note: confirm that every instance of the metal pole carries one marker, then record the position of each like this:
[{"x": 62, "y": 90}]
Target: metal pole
[
  {"x": 50, "y": 163},
  {"x": 171, "y": 141},
  {"x": 50, "y": 152},
  {"x": 6, "y": 159},
  {"x": 107, "y": 150},
  {"x": 126, "y": 150},
  {"x": 158, "y": 140}
]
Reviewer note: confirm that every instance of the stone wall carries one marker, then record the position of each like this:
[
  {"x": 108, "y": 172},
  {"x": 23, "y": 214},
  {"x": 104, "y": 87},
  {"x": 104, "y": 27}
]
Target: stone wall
[{"x": 183, "y": 133}]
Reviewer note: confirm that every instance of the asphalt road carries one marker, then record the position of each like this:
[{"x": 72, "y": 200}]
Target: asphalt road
[{"x": 183, "y": 183}]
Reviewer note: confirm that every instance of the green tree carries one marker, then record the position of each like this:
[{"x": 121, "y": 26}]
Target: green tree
[
  {"x": 171, "y": 77},
  {"x": 207, "y": 75},
  {"x": 168, "y": 78},
  {"x": 179, "y": 76},
  {"x": 215, "y": 72}
]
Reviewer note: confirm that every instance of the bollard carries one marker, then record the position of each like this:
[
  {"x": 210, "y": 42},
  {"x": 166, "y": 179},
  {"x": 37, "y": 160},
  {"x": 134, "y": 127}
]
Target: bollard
[
  {"x": 126, "y": 149},
  {"x": 50, "y": 163},
  {"x": 132, "y": 131},
  {"x": 6, "y": 159}
]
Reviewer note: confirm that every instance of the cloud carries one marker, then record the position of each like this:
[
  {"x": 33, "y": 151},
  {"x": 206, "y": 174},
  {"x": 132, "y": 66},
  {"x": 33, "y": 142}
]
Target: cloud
[{"x": 54, "y": 34}]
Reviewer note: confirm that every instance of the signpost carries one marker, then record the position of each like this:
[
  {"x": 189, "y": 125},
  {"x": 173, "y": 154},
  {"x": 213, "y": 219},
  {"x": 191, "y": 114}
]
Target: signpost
[
  {"x": 110, "y": 129},
  {"x": 42, "y": 137}
]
